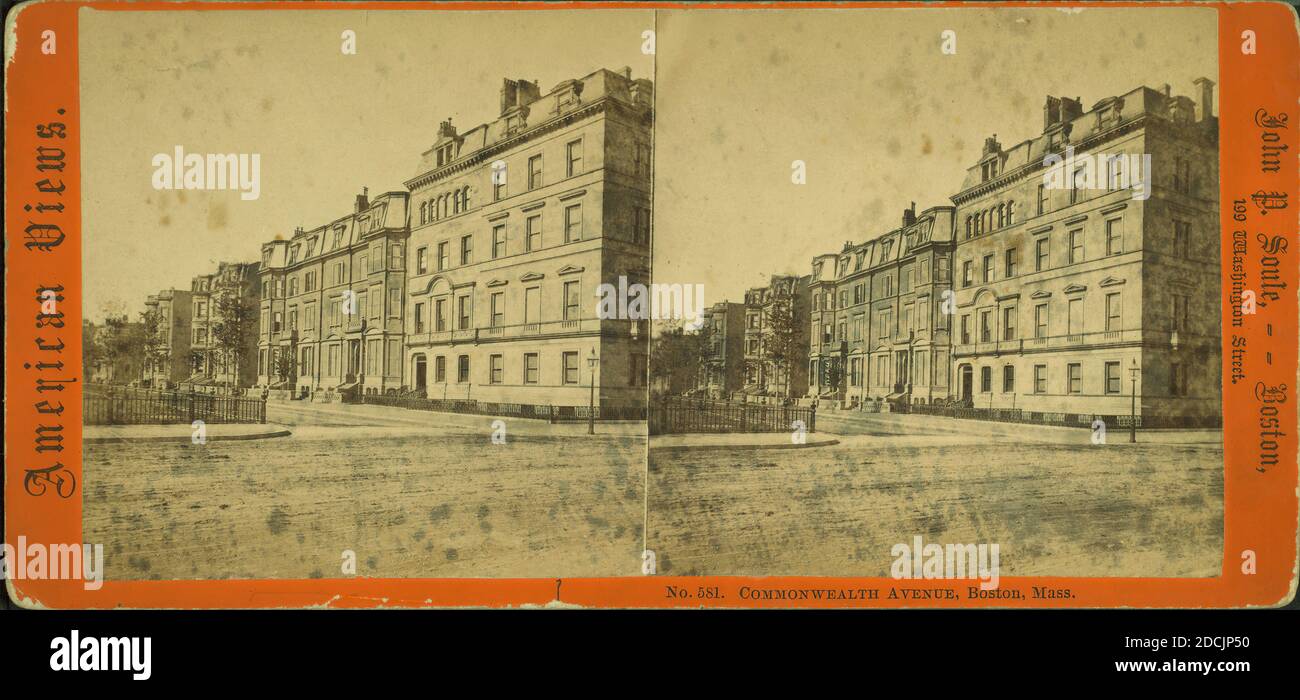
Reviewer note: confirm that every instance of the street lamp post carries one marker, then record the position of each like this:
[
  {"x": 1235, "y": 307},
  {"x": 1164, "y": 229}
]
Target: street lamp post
[
  {"x": 592, "y": 361},
  {"x": 1132, "y": 417}
]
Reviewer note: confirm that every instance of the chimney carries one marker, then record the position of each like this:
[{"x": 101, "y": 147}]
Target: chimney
[
  {"x": 991, "y": 145},
  {"x": 509, "y": 95},
  {"x": 626, "y": 72},
  {"x": 1205, "y": 108},
  {"x": 363, "y": 200},
  {"x": 1071, "y": 109},
  {"x": 1051, "y": 112},
  {"x": 909, "y": 215},
  {"x": 446, "y": 130},
  {"x": 1165, "y": 89},
  {"x": 527, "y": 93}
]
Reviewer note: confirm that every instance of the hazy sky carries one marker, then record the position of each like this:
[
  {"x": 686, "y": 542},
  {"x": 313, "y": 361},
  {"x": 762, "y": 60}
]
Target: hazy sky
[
  {"x": 880, "y": 117},
  {"x": 864, "y": 97},
  {"x": 325, "y": 124}
]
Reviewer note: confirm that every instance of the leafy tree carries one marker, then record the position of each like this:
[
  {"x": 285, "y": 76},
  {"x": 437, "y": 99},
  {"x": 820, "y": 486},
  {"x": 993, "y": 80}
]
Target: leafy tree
[
  {"x": 153, "y": 343},
  {"x": 781, "y": 345},
  {"x": 235, "y": 327}
]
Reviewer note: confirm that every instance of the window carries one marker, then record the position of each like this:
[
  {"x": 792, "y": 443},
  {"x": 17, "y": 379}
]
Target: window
[
  {"x": 498, "y": 180},
  {"x": 1009, "y": 323},
  {"x": 395, "y": 261},
  {"x": 466, "y": 250},
  {"x": 1114, "y": 237},
  {"x": 1040, "y": 321},
  {"x": 573, "y": 151},
  {"x": 532, "y": 305},
  {"x": 570, "y": 367},
  {"x": 496, "y": 369},
  {"x": 394, "y": 301},
  {"x": 1182, "y": 235},
  {"x": 309, "y": 316},
  {"x": 498, "y": 311},
  {"x": 530, "y": 368},
  {"x": 1076, "y": 246},
  {"x": 440, "y": 315},
  {"x": 573, "y": 223},
  {"x": 535, "y": 172},
  {"x": 986, "y": 323},
  {"x": 533, "y": 241},
  {"x": 1180, "y": 312},
  {"x": 965, "y": 329},
  {"x": 1042, "y": 200},
  {"x": 641, "y": 161},
  {"x": 1040, "y": 378},
  {"x": 498, "y": 241},
  {"x": 1041, "y": 250},
  {"x": 988, "y": 267},
  {"x": 440, "y": 369},
  {"x": 278, "y": 323},
  {"x": 1008, "y": 379},
  {"x": 986, "y": 379},
  {"x": 462, "y": 369},
  {"x": 1010, "y": 266},
  {"x": 639, "y": 370},
  {"x": 1077, "y": 183},
  {"x": 1112, "y": 378},
  {"x": 571, "y": 301},
  {"x": 1074, "y": 378},
  {"x": 444, "y": 258},
  {"x": 1074, "y": 317},
  {"x": 462, "y": 312},
  {"x": 419, "y": 318},
  {"x": 1177, "y": 379},
  {"x": 1113, "y": 311},
  {"x": 967, "y": 273},
  {"x": 641, "y": 230}
]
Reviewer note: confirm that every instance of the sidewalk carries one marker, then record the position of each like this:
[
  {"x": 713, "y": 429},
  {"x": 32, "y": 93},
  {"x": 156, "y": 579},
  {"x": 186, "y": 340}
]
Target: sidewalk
[
  {"x": 181, "y": 432},
  {"x": 738, "y": 441},
  {"x": 853, "y": 423}
]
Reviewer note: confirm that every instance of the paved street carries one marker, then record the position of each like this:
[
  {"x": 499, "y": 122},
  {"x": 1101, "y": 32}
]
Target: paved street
[
  {"x": 413, "y": 494},
  {"x": 1055, "y": 503}
]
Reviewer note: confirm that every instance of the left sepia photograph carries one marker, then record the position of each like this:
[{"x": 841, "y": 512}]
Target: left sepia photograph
[{"x": 341, "y": 277}]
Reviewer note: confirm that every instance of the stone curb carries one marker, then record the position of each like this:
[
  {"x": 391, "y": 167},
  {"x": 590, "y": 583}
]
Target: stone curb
[{"x": 110, "y": 439}]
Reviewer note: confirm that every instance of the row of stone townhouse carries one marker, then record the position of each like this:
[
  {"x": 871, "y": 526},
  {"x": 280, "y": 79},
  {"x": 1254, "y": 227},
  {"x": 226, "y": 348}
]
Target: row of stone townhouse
[
  {"x": 477, "y": 280},
  {"x": 1054, "y": 281}
]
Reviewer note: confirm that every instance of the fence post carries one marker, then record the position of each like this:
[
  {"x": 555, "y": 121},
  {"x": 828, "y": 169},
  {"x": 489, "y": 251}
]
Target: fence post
[{"x": 812, "y": 418}]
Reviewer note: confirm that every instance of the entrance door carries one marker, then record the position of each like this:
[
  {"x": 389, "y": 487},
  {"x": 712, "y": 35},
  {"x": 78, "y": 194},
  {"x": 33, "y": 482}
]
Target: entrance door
[
  {"x": 967, "y": 383},
  {"x": 420, "y": 370},
  {"x": 354, "y": 358}
]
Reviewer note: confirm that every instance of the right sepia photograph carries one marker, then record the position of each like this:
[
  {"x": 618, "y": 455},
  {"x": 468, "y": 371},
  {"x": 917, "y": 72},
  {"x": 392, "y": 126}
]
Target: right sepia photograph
[{"x": 952, "y": 284}]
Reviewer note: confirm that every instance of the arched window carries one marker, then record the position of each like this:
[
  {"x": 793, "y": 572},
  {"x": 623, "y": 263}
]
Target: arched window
[
  {"x": 1011, "y": 209},
  {"x": 968, "y": 226},
  {"x": 465, "y": 198},
  {"x": 1002, "y": 215},
  {"x": 422, "y": 213}
]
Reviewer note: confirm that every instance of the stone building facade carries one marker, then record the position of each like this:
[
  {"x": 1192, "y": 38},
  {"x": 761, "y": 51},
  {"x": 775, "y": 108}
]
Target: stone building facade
[
  {"x": 212, "y": 364},
  {"x": 515, "y": 225},
  {"x": 723, "y": 367},
  {"x": 878, "y": 328},
  {"x": 785, "y": 296},
  {"x": 1076, "y": 285},
  {"x": 333, "y": 303},
  {"x": 167, "y": 359}
]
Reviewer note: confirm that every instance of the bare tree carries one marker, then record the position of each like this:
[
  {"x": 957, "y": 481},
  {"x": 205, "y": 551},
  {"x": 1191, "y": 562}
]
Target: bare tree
[{"x": 235, "y": 326}]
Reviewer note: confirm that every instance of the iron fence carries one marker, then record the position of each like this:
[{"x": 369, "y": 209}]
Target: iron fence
[
  {"x": 1077, "y": 420},
  {"x": 676, "y": 415},
  {"x": 554, "y": 414},
  {"x": 113, "y": 405}
]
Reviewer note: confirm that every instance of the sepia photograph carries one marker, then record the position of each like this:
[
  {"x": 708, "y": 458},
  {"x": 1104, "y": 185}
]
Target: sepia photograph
[
  {"x": 960, "y": 273},
  {"x": 338, "y": 278}
]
